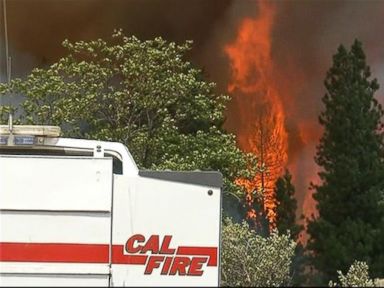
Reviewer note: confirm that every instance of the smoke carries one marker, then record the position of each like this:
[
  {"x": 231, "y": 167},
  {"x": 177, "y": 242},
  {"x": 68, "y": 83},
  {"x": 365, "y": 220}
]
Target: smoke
[
  {"x": 305, "y": 35},
  {"x": 38, "y": 27}
]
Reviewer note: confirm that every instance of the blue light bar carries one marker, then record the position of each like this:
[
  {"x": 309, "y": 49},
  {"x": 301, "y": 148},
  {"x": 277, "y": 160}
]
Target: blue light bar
[{"x": 24, "y": 140}]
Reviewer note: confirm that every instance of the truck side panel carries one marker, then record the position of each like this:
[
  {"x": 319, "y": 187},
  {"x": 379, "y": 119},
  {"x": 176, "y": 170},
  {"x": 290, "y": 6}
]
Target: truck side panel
[
  {"x": 55, "y": 223},
  {"x": 55, "y": 183},
  {"x": 169, "y": 233}
]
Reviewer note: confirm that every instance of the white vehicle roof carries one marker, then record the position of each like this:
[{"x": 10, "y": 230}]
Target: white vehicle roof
[{"x": 47, "y": 137}]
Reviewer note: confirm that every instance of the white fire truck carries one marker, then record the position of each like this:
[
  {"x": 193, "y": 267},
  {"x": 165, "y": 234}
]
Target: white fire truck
[{"x": 79, "y": 213}]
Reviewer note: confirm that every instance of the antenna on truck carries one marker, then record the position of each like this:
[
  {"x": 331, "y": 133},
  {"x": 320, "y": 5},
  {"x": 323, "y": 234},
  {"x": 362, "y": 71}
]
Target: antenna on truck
[{"x": 8, "y": 59}]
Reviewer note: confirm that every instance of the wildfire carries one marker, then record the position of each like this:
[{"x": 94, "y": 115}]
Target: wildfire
[{"x": 262, "y": 120}]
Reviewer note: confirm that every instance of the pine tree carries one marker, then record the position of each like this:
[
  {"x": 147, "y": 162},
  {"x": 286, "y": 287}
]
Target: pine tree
[
  {"x": 286, "y": 206},
  {"x": 286, "y": 221},
  {"x": 350, "y": 154}
]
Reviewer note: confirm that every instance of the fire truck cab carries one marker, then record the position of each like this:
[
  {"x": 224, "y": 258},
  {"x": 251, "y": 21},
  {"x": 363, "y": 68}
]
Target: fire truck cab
[{"x": 78, "y": 212}]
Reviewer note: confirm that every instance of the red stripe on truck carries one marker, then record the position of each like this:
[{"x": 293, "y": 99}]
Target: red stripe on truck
[
  {"x": 211, "y": 252},
  {"x": 68, "y": 253},
  {"x": 54, "y": 252},
  {"x": 86, "y": 253},
  {"x": 118, "y": 257}
]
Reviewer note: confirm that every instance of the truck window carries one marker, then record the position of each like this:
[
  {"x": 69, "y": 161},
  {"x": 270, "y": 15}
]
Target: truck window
[{"x": 117, "y": 163}]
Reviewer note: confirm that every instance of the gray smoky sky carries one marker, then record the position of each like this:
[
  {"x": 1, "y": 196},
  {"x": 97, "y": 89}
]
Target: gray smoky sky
[{"x": 305, "y": 36}]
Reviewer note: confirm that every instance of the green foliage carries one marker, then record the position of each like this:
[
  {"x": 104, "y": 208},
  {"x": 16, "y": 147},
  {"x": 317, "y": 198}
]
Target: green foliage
[
  {"x": 286, "y": 206},
  {"x": 4, "y": 112},
  {"x": 350, "y": 154},
  {"x": 357, "y": 276},
  {"x": 249, "y": 260},
  {"x": 141, "y": 93}
]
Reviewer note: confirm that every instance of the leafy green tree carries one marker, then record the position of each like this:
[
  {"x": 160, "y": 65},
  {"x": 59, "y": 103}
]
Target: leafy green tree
[
  {"x": 286, "y": 206},
  {"x": 357, "y": 276},
  {"x": 250, "y": 260},
  {"x": 141, "y": 93},
  {"x": 350, "y": 153}
]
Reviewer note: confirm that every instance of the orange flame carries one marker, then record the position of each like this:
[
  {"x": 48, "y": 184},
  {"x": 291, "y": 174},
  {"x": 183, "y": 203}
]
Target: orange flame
[{"x": 263, "y": 120}]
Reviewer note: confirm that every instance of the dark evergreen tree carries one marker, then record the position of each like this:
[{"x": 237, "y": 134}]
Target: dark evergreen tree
[
  {"x": 286, "y": 220},
  {"x": 286, "y": 206},
  {"x": 350, "y": 155}
]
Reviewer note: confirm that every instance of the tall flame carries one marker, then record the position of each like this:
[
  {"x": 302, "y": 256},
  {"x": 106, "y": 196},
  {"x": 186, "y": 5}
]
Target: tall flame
[{"x": 262, "y": 120}]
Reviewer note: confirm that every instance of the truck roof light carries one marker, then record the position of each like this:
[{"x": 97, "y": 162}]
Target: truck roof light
[
  {"x": 24, "y": 140},
  {"x": 3, "y": 140},
  {"x": 31, "y": 130}
]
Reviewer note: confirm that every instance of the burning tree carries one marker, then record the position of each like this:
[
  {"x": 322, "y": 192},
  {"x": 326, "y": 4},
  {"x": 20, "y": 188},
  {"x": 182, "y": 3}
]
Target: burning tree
[
  {"x": 261, "y": 122},
  {"x": 267, "y": 142}
]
